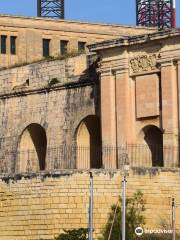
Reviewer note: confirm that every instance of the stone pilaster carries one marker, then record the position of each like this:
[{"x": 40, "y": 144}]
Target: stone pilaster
[
  {"x": 124, "y": 105},
  {"x": 117, "y": 119},
  {"x": 169, "y": 111},
  {"x": 108, "y": 117}
]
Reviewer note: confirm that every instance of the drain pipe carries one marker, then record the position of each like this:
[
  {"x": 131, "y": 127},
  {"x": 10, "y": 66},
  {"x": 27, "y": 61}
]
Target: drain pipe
[
  {"x": 90, "y": 223},
  {"x": 173, "y": 219},
  {"x": 124, "y": 208}
]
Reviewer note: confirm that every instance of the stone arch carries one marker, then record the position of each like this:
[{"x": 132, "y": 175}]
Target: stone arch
[
  {"x": 88, "y": 142},
  {"x": 153, "y": 137},
  {"x": 32, "y": 149}
]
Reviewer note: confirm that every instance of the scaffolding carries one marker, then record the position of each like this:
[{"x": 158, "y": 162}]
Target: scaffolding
[
  {"x": 50, "y": 8},
  {"x": 156, "y": 13}
]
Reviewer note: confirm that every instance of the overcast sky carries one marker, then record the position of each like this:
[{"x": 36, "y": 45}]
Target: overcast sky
[{"x": 110, "y": 11}]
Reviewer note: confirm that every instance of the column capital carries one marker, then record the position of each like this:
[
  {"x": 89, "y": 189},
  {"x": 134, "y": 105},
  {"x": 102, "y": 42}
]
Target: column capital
[
  {"x": 114, "y": 67},
  {"x": 164, "y": 62},
  {"x": 120, "y": 69},
  {"x": 177, "y": 60},
  {"x": 105, "y": 72}
]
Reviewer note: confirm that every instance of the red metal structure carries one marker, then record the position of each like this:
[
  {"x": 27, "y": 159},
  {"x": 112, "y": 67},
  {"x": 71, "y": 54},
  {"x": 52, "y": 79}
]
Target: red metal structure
[{"x": 156, "y": 13}]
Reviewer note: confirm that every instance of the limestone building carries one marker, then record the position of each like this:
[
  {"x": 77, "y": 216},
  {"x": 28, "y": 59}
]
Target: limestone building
[
  {"x": 140, "y": 96},
  {"x": 116, "y": 104},
  {"x": 29, "y": 39},
  {"x": 38, "y": 114},
  {"x": 64, "y": 111}
]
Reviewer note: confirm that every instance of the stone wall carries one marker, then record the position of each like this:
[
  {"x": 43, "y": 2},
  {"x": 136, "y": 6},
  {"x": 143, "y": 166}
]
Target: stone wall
[
  {"x": 28, "y": 96},
  {"x": 39, "y": 206},
  {"x": 30, "y": 31}
]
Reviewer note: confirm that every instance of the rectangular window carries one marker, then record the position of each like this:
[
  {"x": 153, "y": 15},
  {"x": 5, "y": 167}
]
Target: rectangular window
[
  {"x": 63, "y": 47},
  {"x": 46, "y": 47},
  {"x": 81, "y": 46},
  {"x": 13, "y": 44},
  {"x": 3, "y": 44}
]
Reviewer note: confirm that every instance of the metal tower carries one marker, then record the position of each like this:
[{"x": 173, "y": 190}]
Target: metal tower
[
  {"x": 156, "y": 13},
  {"x": 50, "y": 8}
]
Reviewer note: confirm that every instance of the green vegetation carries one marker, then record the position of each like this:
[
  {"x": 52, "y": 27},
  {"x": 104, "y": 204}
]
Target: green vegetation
[
  {"x": 72, "y": 53},
  {"x": 135, "y": 208},
  {"x": 74, "y": 234},
  {"x": 134, "y": 218},
  {"x": 53, "y": 81}
]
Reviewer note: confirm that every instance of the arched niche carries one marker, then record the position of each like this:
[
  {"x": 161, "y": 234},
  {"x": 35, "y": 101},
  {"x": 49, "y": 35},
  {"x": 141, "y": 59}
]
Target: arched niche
[
  {"x": 153, "y": 137},
  {"x": 88, "y": 142},
  {"x": 32, "y": 149}
]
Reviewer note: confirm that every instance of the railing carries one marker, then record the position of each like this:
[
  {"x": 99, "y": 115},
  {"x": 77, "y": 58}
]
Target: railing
[{"x": 71, "y": 157}]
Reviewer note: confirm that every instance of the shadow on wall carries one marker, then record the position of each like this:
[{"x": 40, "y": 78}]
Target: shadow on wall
[
  {"x": 33, "y": 155},
  {"x": 32, "y": 148},
  {"x": 153, "y": 136},
  {"x": 88, "y": 143}
]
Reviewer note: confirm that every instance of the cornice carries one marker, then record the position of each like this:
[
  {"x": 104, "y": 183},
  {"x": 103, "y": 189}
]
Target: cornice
[
  {"x": 32, "y": 91},
  {"x": 164, "y": 62},
  {"x": 132, "y": 40}
]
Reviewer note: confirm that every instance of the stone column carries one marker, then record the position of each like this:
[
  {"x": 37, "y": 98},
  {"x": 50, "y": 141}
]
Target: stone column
[
  {"x": 108, "y": 117},
  {"x": 169, "y": 112}
]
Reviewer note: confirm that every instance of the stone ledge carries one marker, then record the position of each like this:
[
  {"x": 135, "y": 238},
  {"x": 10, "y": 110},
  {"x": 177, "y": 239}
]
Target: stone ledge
[
  {"x": 132, "y": 40},
  {"x": 141, "y": 171},
  {"x": 25, "y": 91}
]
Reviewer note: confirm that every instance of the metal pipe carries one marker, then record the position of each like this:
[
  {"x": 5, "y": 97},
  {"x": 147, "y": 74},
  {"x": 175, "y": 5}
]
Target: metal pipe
[
  {"x": 114, "y": 217},
  {"x": 173, "y": 219},
  {"x": 124, "y": 208},
  {"x": 90, "y": 227}
]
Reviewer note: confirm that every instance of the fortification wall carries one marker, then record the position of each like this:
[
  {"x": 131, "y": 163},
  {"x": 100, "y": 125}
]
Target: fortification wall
[
  {"x": 40, "y": 73},
  {"x": 39, "y": 206},
  {"x": 57, "y": 95}
]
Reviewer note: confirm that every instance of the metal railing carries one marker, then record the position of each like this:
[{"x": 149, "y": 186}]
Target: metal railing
[{"x": 71, "y": 157}]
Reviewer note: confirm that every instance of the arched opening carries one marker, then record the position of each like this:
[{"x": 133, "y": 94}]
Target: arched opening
[
  {"x": 88, "y": 141},
  {"x": 154, "y": 138},
  {"x": 32, "y": 149}
]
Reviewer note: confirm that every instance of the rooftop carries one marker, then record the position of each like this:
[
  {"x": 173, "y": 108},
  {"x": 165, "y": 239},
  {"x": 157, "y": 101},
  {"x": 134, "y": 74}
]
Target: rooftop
[{"x": 72, "y": 21}]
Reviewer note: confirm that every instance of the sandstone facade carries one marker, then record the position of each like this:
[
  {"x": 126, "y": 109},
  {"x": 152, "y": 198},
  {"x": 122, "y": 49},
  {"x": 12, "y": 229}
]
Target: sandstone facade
[
  {"x": 27, "y": 97},
  {"x": 140, "y": 93},
  {"x": 116, "y": 105},
  {"x": 30, "y": 32},
  {"x": 129, "y": 99},
  {"x": 35, "y": 207}
]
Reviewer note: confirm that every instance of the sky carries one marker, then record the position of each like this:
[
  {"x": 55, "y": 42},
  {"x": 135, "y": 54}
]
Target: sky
[{"x": 108, "y": 11}]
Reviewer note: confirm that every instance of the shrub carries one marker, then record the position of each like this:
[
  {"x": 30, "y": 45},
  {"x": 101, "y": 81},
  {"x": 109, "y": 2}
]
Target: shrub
[
  {"x": 74, "y": 234},
  {"x": 134, "y": 218},
  {"x": 135, "y": 206}
]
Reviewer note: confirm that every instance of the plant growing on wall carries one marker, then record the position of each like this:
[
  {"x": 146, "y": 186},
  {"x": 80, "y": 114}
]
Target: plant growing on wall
[
  {"x": 71, "y": 54},
  {"x": 53, "y": 81},
  {"x": 74, "y": 234}
]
